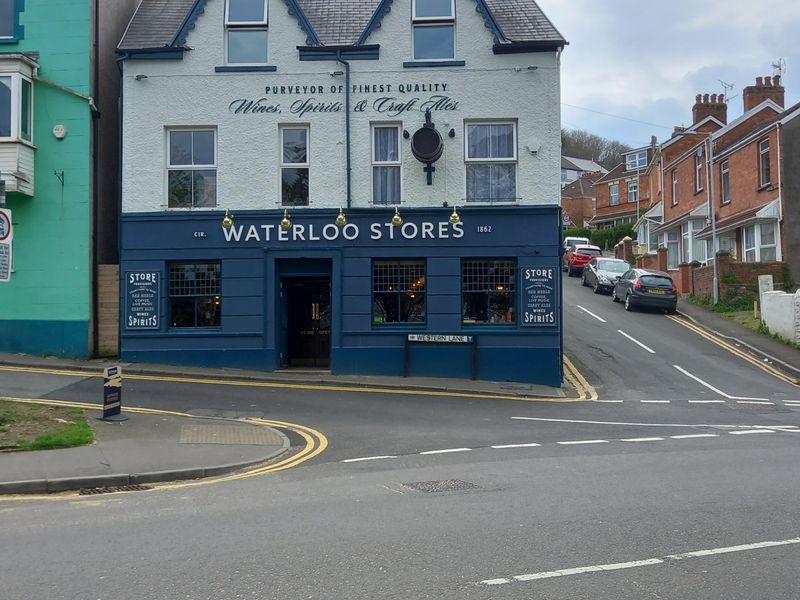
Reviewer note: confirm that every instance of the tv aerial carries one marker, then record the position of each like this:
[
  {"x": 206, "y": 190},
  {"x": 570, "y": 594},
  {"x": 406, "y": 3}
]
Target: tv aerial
[{"x": 779, "y": 68}]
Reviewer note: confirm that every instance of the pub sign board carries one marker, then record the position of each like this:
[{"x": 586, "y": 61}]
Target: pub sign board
[
  {"x": 142, "y": 299},
  {"x": 6, "y": 226},
  {"x": 539, "y": 296}
]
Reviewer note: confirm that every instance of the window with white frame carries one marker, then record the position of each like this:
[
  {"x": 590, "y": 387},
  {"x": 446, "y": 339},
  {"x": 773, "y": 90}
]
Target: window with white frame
[
  {"x": 698, "y": 171},
  {"x": 674, "y": 187},
  {"x": 685, "y": 237},
  {"x": 763, "y": 162},
  {"x": 294, "y": 166},
  {"x": 637, "y": 160},
  {"x": 760, "y": 243},
  {"x": 191, "y": 168},
  {"x": 725, "y": 177},
  {"x": 613, "y": 191},
  {"x": 246, "y": 29},
  {"x": 633, "y": 191},
  {"x": 433, "y": 29},
  {"x": 16, "y": 107},
  {"x": 672, "y": 249},
  {"x": 491, "y": 162},
  {"x": 698, "y": 246},
  {"x": 386, "y": 172}
]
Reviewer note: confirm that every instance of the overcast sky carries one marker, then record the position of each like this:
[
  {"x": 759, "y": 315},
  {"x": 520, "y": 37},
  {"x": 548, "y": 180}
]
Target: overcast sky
[{"x": 646, "y": 61}]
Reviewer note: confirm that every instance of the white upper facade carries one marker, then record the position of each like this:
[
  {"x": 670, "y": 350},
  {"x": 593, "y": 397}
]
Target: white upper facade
[{"x": 234, "y": 119}]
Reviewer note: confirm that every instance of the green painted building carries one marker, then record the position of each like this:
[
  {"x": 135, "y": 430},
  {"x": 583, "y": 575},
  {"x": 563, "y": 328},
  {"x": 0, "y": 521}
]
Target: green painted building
[{"x": 59, "y": 91}]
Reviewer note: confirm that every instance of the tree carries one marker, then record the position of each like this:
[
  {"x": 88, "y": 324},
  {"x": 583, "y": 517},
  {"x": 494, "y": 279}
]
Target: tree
[{"x": 579, "y": 143}]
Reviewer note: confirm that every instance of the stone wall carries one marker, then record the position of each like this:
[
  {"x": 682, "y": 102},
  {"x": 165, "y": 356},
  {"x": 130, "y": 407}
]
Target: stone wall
[{"x": 780, "y": 312}]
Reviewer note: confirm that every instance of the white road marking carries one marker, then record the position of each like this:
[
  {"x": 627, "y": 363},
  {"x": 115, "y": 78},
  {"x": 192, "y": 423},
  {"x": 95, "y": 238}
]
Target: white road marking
[
  {"x": 613, "y": 401},
  {"x": 754, "y": 402},
  {"x": 507, "y": 446},
  {"x": 694, "y": 436},
  {"x": 715, "y": 390},
  {"x": 366, "y": 458},
  {"x": 578, "y": 442},
  {"x": 635, "y": 341},
  {"x": 588, "y": 312},
  {"x": 644, "y": 439},
  {"x": 686, "y": 425},
  {"x": 749, "y": 431},
  {"x": 655, "y": 401},
  {"x": 639, "y": 563},
  {"x": 448, "y": 451},
  {"x": 706, "y": 401}
]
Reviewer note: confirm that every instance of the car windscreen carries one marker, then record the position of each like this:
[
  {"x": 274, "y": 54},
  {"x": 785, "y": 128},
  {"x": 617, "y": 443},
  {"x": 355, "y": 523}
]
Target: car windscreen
[
  {"x": 612, "y": 266},
  {"x": 588, "y": 251},
  {"x": 656, "y": 281}
]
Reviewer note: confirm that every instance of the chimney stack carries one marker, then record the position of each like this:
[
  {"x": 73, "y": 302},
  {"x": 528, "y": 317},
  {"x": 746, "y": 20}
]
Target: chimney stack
[
  {"x": 710, "y": 106},
  {"x": 766, "y": 88}
]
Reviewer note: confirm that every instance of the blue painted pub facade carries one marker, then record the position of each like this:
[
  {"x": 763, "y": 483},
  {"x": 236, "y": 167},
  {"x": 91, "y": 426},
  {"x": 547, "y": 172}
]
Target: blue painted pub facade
[{"x": 258, "y": 268}]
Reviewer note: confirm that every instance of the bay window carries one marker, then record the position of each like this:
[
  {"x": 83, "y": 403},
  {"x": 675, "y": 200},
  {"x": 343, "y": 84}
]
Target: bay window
[
  {"x": 491, "y": 157},
  {"x": 760, "y": 243},
  {"x": 16, "y": 107}
]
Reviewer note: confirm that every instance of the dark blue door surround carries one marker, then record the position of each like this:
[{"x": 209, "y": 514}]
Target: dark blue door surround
[{"x": 255, "y": 257}]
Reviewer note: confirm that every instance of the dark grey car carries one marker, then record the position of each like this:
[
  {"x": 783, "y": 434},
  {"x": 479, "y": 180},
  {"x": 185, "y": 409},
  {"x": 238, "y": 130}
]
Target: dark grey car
[
  {"x": 601, "y": 273},
  {"x": 643, "y": 287}
]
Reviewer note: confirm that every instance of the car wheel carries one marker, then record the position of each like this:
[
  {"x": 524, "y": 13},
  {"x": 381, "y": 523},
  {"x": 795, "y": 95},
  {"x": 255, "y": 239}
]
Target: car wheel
[
  {"x": 614, "y": 297},
  {"x": 596, "y": 287},
  {"x": 671, "y": 311},
  {"x": 628, "y": 305}
]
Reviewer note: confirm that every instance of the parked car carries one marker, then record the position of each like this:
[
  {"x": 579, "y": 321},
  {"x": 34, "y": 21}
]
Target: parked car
[
  {"x": 578, "y": 256},
  {"x": 643, "y": 287},
  {"x": 570, "y": 241},
  {"x": 601, "y": 273}
]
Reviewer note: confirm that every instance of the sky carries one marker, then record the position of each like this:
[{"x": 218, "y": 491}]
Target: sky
[{"x": 644, "y": 62}]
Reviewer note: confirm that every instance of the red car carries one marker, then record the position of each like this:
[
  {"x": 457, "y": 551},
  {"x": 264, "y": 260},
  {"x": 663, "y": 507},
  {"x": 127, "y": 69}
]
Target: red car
[{"x": 578, "y": 257}]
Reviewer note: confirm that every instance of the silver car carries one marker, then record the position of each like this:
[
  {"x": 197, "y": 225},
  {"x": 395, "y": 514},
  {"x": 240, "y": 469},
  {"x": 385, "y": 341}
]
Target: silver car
[{"x": 601, "y": 273}]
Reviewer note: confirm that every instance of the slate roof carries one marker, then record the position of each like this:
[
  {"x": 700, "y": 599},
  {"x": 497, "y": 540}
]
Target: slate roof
[
  {"x": 161, "y": 24},
  {"x": 523, "y": 21},
  {"x": 155, "y": 24},
  {"x": 582, "y": 187}
]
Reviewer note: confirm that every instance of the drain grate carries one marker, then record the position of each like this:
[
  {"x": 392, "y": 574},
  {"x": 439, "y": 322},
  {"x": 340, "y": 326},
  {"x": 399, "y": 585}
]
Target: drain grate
[
  {"x": 113, "y": 489},
  {"x": 444, "y": 485}
]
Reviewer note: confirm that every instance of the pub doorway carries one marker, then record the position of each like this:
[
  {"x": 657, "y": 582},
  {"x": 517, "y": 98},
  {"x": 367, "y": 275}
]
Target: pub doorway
[{"x": 308, "y": 322}]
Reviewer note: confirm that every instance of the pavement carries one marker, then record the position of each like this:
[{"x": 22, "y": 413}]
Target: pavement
[{"x": 157, "y": 447}]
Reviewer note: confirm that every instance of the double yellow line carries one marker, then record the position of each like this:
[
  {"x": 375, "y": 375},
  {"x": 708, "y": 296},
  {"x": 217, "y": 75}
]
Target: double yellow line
[
  {"x": 315, "y": 444},
  {"x": 778, "y": 374},
  {"x": 573, "y": 377}
]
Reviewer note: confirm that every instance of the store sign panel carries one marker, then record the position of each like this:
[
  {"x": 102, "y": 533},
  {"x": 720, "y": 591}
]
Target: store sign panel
[
  {"x": 142, "y": 299},
  {"x": 539, "y": 296},
  {"x": 330, "y": 232}
]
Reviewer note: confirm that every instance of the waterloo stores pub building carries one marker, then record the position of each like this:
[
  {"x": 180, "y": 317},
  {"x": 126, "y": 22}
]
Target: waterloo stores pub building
[{"x": 370, "y": 187}]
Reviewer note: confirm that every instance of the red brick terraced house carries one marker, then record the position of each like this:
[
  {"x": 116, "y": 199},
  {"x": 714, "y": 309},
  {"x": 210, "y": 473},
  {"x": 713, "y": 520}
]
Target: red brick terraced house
[
  {"x": 739, "y": 169},
  {"x": 626, "y": 188}
]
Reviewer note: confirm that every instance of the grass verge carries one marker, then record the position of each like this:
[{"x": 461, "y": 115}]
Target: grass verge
[{"x": 41, "y": 427}]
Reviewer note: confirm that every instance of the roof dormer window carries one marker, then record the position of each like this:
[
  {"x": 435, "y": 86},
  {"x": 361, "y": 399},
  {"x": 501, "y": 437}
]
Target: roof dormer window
[
  {"x": 246, "y": 30},
  {"x": 434, "y": 28}
]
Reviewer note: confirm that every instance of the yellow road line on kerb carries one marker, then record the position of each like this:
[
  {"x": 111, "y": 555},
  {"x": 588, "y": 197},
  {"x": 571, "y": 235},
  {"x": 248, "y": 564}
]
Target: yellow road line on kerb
[
  {"x": 578, "y": 381},
  {"x": 298, "y": 386},
  {"x": 737, "y": 352},
  {"x": 315, "y": 444}
]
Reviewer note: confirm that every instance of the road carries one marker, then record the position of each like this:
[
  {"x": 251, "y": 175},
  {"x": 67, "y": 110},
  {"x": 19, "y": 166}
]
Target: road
[{"x": 676, "y": 483}]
